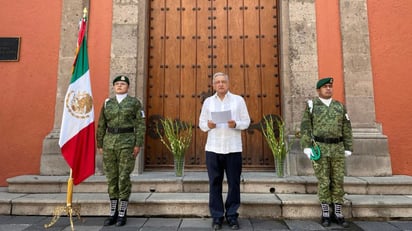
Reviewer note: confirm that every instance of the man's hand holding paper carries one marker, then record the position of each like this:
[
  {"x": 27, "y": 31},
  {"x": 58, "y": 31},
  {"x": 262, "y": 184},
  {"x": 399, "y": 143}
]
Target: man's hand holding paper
[{"x": 221, "y": 118}]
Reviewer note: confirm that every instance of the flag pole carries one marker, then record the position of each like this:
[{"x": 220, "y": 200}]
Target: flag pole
[
  {"x": 68, "y": 209},
  {"x": 69, "y": 190}
]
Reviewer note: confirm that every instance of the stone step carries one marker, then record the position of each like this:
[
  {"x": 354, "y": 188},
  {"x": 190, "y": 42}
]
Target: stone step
[
  {"x": 163, "y": 194},
  {"x": 254, "y": 205},
  {"x": 197, "y": 182}
]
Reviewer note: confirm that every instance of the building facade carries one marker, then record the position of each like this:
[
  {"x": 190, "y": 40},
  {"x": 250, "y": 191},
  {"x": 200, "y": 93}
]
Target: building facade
[{"x": 274, "y": 52}]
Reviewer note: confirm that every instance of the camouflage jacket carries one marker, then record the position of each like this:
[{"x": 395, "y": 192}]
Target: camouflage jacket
[
  {"x": 128, "y": 113},
  {"x": 326, "y": 122}
]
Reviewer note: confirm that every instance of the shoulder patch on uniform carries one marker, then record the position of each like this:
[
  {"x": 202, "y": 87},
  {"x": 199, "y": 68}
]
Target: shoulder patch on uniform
[
  {"x": 310, "y": 105},
  {"x": 105, "y": 102}
]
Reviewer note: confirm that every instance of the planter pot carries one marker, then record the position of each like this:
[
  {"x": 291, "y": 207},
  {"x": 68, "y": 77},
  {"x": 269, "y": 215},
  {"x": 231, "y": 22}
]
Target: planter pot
[
  {"x": 179, "y": 166},
  {"x": 280, "y": 168}
]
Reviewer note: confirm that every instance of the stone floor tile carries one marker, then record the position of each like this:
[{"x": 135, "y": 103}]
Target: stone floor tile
[{"x": 376, "y": 226}]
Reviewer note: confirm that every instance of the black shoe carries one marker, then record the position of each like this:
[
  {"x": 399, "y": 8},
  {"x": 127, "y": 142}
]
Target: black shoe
[
  {"x": 325, "y": 221},
  {"x": 217, "y": 223},
  {"x": 216, "y": 226},
  {"x": 233, "y": 223},
  {"x": 121, "y": 221},
  {"x": 341, "y": 221},
  {"x": 337, "y": 216},
  {"x": 110, "y": 221}
]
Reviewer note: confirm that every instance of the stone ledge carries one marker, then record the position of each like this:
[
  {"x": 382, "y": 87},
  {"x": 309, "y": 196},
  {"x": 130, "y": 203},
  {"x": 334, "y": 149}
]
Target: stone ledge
[
  {"x": 254, "y": 205},
  {"x": 197, "y": 182},
  {"x": 378, "y": 206}
]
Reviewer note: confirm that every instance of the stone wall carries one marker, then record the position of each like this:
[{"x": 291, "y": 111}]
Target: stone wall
[
  {"x": 129, "y": 49},
  {"x": 299, "y": 73},
  {"x": 371, "y": 155}
]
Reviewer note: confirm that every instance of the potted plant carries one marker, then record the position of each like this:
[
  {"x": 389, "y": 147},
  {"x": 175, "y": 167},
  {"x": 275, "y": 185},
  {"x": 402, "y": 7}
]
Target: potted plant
[
  {"x": 273, "y": 129},
  {"x": 176, "y": 136}
]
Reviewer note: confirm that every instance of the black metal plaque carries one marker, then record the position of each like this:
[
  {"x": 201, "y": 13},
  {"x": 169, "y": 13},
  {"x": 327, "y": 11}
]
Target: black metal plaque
[{"x": 9, "y": 48}]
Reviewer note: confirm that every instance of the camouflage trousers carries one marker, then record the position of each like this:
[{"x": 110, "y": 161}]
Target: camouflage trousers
[
  {"x": 118, "y": 165},
  {"x": 330, "y": 173}
]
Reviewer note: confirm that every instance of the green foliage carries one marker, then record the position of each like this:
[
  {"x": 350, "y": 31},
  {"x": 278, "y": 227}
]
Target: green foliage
[
  {"x": 176, "y": 136},
  {"x": 273, "y": 129}
]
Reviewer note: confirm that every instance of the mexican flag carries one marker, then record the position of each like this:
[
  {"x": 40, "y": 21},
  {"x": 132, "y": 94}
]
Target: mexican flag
[{"x": 77, "y": 134}]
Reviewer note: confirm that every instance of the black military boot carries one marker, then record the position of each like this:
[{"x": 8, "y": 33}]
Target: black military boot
[
  {"x": 325, "y": 222},
  {"x": 122, "y": 218},
  {"x": 338, "y": 216},
  {"x": 111, "y": 220}
]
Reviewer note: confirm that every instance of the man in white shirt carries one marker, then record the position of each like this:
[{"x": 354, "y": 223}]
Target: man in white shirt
[{"x": 224, "y": 149}]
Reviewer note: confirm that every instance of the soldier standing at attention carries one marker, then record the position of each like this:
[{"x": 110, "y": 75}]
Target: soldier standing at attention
[
  {"x": 120, "y": 135},
  {"x": 325, "y": 124}
]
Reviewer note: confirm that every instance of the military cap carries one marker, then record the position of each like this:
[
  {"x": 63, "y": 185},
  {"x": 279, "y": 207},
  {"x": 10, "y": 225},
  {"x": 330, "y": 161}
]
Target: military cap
[
  {"x": 324, "y": 81},
  {"x": 121, "y": 78}
]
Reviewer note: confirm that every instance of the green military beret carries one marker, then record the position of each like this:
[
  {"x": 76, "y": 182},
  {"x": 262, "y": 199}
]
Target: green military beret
[
  {"x": 324, "y": 81},
  {"x": 121, "y": 78}
]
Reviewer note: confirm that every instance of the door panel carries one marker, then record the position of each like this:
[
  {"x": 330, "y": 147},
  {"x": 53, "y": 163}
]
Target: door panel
[
  {"x": 192, "y": 39},
  {"x": 204, "y": 46},
  {"x": 269, "y": 66},
  {"x": 188, "y": 68},
  {"x": 253, "y": 81},
  {"x": 219, "y": 53},
  {"x": 153, "y": 152}
]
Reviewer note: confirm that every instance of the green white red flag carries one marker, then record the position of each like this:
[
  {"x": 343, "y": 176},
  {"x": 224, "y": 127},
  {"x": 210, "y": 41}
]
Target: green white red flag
[{"x": 77, "y": 134}]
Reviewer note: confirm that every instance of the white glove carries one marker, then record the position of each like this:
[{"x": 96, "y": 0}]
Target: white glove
[
  {"x": 308, "y": 152},
  {"x": 347, "y": 153}
]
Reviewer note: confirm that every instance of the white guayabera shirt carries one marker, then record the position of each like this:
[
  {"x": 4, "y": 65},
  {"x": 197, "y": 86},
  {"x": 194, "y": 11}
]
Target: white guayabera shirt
[{"x": 222, "y": 139}]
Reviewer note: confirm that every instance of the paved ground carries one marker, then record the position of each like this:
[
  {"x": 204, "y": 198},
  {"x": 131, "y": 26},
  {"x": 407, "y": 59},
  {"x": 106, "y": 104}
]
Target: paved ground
[{"x": 19, "y": 223}]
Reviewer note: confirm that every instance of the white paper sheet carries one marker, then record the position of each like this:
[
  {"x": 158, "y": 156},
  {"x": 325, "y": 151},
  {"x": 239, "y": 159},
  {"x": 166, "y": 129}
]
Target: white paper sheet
[{"x": 221, "y": 116}]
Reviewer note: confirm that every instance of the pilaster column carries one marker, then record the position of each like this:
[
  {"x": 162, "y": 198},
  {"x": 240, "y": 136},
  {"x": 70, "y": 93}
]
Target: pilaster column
[
  {"x": 299, "y": 58},
  {"x": 129, "y": 50},
  {"x": 371, "y": 154},
  {"x": 357, "y": 64},
  {"x": 52, "y": 161},
  {"x": 299, "y": 71}
]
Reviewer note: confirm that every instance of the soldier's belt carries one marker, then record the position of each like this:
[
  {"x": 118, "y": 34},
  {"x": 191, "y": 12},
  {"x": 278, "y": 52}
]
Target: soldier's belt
[
  {"x": 120, "y": 130},
  {"x": 328, "y": 140}
]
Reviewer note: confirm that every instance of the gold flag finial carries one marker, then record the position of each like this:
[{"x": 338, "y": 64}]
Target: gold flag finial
[{"x": 84, "y": 12}]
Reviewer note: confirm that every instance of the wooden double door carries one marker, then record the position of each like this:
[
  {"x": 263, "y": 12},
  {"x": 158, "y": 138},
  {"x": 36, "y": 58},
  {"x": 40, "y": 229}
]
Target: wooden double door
[{"x": 190, "y": 40}]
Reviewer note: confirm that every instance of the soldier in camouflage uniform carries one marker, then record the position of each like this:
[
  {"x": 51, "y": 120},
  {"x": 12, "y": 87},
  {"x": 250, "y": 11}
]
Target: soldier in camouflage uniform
[
  {"x": 120, "y": 135},
  {"x": 325, "y": 123}
]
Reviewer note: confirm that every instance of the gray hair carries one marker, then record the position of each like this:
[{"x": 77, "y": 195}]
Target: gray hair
[{"x": 220, "y": 74}]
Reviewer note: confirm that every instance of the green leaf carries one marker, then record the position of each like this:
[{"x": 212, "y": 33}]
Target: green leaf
[
  {"x": 176, "y": 136},
  {"x": 273, "y": 129}
]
